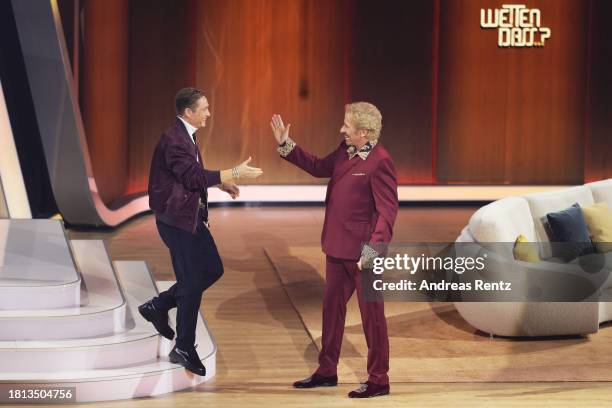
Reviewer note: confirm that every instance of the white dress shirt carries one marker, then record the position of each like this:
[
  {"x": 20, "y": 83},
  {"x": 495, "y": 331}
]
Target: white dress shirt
[{"x": 191, "y": 130}]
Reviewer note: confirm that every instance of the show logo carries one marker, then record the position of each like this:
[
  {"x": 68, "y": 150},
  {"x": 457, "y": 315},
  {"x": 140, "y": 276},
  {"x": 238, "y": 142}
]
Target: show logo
[{"x": 518, "y": 26}]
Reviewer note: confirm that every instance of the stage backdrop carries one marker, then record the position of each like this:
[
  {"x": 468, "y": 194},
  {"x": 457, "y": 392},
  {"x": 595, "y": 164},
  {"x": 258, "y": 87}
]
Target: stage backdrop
[{"x": 457, "y": 109}]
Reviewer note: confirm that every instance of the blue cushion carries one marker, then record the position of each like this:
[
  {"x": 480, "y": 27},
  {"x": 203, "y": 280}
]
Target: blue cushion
[{"x": 570, "y": 230}]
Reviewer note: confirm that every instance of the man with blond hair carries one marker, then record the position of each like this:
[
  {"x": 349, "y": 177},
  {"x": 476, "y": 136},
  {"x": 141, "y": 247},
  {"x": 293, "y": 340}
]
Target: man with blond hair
[{"x": 361, "y": 207}]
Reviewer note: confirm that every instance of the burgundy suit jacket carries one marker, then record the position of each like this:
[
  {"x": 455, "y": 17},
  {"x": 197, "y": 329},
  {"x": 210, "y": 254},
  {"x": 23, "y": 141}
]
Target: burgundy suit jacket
[
  {"x": 361, "y": 202},
  {"x": 177, "y": 180}
]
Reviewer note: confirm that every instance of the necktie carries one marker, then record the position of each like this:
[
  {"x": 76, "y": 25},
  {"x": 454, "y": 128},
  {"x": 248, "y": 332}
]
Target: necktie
[{"x": 195, "y": 144}]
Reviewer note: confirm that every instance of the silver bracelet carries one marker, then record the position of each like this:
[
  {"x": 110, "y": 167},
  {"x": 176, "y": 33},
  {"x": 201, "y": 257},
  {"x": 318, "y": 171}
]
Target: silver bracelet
[{"x": 235, "y": 173}]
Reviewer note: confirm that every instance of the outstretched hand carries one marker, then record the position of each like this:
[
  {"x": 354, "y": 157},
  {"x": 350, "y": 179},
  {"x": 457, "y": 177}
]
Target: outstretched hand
[
  {"x": 281, "y": 133},
  {"x": 246, "y": 171}
]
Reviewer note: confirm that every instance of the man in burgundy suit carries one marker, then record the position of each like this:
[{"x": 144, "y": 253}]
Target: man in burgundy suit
[
  {"x": 361, "y": 207},
  {"x": 178, "y": 196}
]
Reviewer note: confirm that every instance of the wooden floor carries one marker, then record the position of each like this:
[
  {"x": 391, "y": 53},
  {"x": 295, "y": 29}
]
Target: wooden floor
[{"x": 263, "y": 345}]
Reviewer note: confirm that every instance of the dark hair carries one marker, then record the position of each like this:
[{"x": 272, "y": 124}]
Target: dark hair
[{"x": 187, "y": 98}]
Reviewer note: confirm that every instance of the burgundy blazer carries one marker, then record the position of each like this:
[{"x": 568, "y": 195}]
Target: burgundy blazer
[
  {"x": 361, "y": 201},
  {"x": 177, "y": 180}
]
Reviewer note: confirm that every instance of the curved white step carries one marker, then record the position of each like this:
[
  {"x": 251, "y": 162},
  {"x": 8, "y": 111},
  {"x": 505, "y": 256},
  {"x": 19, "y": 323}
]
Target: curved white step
[
  {"x": 36, "y": 268},
  {"x": 102, "y": 310},
  {"x": 140, "y": 343},
  {"x": 149, "y": 378}
]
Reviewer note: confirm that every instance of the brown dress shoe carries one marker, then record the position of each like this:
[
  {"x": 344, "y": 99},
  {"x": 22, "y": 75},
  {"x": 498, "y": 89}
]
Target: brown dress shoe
[
  {"x": 317, "y": 380},
  {"x": 369, "y": 390}
]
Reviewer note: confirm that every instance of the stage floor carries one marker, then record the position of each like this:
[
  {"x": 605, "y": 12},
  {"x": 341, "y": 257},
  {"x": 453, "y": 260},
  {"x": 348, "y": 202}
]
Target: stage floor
[{"x": 263, "y": 343}]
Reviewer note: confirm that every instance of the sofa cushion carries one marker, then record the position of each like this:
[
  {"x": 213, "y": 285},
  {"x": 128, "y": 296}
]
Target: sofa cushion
[
  {"x": 602, "y": 191},
  {"x": 568, "y": 227},
  {"x": 541, "y": 204},
  {"x": 525, "y": 251},
  {"x": 598, "y": 218}
]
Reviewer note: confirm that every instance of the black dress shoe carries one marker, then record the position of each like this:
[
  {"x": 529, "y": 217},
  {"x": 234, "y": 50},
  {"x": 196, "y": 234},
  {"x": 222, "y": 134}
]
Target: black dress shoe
[
  {"x": 317, "y": 380},
  {"x": 369, "y": 390},
  {"x": 158, "y": 317},
  {"x": 188, "y": 359}
]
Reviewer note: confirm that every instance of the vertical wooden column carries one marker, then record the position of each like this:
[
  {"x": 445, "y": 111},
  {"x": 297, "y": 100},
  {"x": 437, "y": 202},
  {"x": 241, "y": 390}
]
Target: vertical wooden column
[
  {"x": 393, "y": 67},
  {"x": 104, "y": 93}
]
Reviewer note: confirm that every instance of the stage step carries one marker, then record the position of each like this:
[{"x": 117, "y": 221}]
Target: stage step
[
  {"x": 36, "y": 268},
  {"x": 139, "y": 344},
  {"x": 102, "y": 311},
  {"x": 120, "y": 380}
]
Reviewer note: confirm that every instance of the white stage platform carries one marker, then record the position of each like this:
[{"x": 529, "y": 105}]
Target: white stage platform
[
  {"x": 36, "y": 266},
  {"x": 98, "y": 343}
]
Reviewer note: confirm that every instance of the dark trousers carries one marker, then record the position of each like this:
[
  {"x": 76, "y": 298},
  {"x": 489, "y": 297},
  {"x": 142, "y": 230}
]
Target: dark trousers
[
  {"x": 342, "y": 278},
  {"x": 197, "y": 266}
]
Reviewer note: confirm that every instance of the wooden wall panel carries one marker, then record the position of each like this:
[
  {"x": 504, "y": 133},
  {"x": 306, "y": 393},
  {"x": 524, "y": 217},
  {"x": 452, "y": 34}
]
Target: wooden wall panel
[
  {"x": 505, "y": 116},
  {"x": 162, "y": 60},
  {"x": 104, "y": 93},
  {"x": 392, "y": 68},
  {"x": 259, "y": 57},
  {"x": 598, "y": 158},
  {"x": 511, "y": 115}
]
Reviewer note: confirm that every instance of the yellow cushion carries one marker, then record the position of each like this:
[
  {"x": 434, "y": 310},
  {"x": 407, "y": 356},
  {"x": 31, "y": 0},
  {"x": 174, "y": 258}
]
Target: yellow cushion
[
  {"x": 598, "y": 218},
  {"x": 525, "y": 251}
]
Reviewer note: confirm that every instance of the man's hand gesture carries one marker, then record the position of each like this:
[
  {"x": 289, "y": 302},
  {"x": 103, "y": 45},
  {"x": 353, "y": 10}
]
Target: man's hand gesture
[
  {"x": 231, "y": 189},
  {"x": 243, "y": 170},
  {"x": 281, "y": 133}
]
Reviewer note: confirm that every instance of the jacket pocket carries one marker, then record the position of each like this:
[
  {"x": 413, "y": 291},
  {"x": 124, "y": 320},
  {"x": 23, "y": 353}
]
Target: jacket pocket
[{"x": 177, "y": 202}]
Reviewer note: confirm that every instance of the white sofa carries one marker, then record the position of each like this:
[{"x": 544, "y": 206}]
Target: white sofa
[{"x": 503, "y": 221}]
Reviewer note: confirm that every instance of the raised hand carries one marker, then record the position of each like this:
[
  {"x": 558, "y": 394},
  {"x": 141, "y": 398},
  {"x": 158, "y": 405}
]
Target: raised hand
[
  {"x": 281, "y": 133},
  {"x": 243, "y": 170}
]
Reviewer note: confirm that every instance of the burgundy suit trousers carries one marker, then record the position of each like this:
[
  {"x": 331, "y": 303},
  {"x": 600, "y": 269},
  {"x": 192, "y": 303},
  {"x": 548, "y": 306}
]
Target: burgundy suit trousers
[{"x": 342, "y": 278}]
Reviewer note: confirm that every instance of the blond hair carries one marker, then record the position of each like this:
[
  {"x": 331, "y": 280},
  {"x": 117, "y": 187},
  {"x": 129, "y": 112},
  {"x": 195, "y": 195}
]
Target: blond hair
[{"x": 365, "y": 116}]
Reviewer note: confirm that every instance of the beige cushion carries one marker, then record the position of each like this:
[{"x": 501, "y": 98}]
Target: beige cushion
[
  {"x": 525, "y": 250},
  {"x": 598, "y": 218}
]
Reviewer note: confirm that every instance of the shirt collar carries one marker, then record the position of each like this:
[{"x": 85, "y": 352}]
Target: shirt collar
[
  {"x": 190, "y": 129},
  {"x": 363, "y": 152}
]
